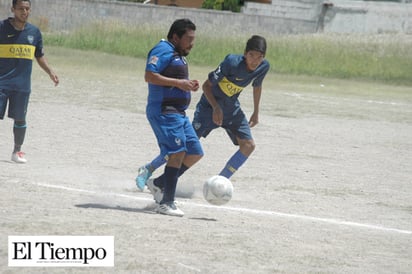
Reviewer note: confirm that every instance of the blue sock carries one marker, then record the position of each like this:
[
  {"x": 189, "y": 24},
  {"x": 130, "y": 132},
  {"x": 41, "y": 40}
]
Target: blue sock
[
  {"x": 233, "y": 164},
  {"x": 156, "y": 163}
]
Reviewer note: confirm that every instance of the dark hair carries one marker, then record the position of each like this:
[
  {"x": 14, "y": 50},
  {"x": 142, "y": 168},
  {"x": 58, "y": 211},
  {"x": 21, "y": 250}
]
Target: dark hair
[
  {"x": 179, "y": 27},
  {"x": 15, "y": 2},
  {"x": 257, "y": 43}
]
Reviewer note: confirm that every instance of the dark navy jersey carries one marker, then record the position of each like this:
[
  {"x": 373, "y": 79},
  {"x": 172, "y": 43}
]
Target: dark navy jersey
[
  {"x": 231, "y": 77},
  {"x": 18, "y": 48},
  {"x": 163, "y": 59}
]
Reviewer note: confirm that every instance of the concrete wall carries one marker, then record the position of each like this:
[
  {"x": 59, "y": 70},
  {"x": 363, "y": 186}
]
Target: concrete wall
[
  {"x": 342, "y": 16},
  {"x": 69, "y": 14},
  {"x": 279, "y": 17},
  {"x": 368, "y": 17},
  {"x": 293, "y": 9}
]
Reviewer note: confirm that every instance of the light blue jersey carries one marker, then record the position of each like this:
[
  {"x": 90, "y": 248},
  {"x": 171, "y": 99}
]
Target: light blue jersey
[
  {"x": 166, "y": 106},
  {"x": 164, "y": 60}
]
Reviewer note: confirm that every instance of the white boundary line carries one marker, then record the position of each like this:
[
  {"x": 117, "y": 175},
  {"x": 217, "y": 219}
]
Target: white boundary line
[{"x": 245, "y": 210}]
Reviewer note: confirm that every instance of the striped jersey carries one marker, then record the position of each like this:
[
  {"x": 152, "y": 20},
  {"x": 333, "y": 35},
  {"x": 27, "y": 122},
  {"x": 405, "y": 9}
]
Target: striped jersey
[{"x": 163, "y": 59}]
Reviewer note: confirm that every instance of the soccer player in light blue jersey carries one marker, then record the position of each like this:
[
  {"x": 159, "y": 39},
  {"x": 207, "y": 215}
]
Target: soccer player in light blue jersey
[
  {"x": 20, "y": 43},
  {"x": 169, "y": 96},
  {"x": 219, "y": 106}
]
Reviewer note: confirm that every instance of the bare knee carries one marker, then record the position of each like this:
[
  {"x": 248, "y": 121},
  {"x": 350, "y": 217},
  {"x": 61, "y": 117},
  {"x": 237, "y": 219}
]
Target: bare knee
[
  {"x": 190, "y": 160},
  {"x": 247, "y": 147}
]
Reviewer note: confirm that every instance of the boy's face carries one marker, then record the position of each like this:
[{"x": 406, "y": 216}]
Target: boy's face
[
  {"x": 21, "y": 11},
  {"x": 253, "y": 59}
]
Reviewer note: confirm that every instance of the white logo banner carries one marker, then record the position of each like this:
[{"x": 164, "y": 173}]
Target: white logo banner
[{"x": 61, "y": 251}]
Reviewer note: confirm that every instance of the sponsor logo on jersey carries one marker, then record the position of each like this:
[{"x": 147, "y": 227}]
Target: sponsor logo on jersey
[
  {"x": 17, "y": 51},
  {"x": 153, "y": 60},
  {"x": 229, "y": 88}
]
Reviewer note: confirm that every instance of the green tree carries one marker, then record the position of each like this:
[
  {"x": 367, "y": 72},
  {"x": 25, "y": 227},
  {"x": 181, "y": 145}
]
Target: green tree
[{"x": 232, "y": 5}]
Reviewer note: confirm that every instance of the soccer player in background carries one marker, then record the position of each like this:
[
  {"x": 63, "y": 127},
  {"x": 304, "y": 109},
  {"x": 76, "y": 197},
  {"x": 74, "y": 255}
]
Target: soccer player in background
[
  {"x": 169, "y": 96},
  {"x": 219, "y": 106},
  {"x": 20, "y": 43}
]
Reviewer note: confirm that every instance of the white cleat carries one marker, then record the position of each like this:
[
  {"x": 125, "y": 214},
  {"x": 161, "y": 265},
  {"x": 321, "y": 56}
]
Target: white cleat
[
  {"x": 170, "y": 209},
  {"x": 18, "y": 157}
]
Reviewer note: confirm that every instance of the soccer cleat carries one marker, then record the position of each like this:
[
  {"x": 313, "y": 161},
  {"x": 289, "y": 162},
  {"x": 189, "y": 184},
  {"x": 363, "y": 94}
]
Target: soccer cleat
[
  {"x": 143, "y": 174},
  {"x": 170, "y": 209},
  {"x": 156, "y": 191},
  {"x": 18, "y": 157}
]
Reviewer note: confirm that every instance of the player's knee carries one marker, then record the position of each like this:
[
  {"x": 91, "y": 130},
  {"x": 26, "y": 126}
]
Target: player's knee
[{"x": 247, "y": 147}]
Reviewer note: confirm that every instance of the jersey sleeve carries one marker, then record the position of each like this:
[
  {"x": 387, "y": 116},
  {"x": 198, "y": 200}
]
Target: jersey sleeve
[
  {"x": 221, "y": 71},
  {"x": 39, "y": 46},
  {"x": 263, "y": 71},
  {"x": 158, "y": 59}
]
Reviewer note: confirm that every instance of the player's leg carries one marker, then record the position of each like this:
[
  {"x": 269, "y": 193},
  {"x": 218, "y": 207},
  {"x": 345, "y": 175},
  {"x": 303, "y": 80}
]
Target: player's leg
[
  {"x": 19, "y": 132},
  {"x": 3, "y": 103},
  {"x": 17, "y": 110},
  {"x": 169, "y": 131},
  {"x": 240, "y": 134},
  {"x": 246, "y": 148},
  {"x": 194, "y": 152},
  {"x": 167, "y": 205}
]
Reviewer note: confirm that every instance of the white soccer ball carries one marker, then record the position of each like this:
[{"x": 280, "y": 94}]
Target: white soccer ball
[{"x": 218, "y": 190}]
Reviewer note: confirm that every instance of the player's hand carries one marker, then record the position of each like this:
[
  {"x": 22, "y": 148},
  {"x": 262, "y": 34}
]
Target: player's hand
[
  {"x": 254, "y": 120},
  {"x": 196, "y": 85},
  {"x": 54, "y": 78},
  {"x": 217, "y": 115},
  {"x": 188, "y": 85}
]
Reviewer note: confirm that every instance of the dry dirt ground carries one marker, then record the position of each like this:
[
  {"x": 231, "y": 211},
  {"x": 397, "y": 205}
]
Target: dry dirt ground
[{"x": 327, "y": 190}]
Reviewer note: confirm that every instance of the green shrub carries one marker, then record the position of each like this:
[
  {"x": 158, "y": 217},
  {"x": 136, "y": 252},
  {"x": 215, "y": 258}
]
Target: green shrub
[{"x": 231, "y": 5}]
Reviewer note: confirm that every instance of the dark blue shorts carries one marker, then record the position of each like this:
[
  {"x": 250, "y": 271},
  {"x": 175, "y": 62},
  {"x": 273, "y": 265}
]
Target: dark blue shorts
[
  {"x": 234, "y": 122},
  {"x": 18, "y": 103},
  {"x": 174, "y": 134}
]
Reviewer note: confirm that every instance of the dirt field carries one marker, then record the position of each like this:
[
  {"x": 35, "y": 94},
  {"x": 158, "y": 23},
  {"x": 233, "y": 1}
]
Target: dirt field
[{"x": 328, "y": 189}]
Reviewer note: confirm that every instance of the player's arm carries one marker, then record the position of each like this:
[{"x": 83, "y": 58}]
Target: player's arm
[
  {"x": 217, "y": 111},
  {"x": 42, "y": 61},
  {"x": 160, "y": 80},
  {"x": 254, "y": 118}
]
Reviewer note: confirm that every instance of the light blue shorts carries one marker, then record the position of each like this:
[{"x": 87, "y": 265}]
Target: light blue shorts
[{"x": 175, "y": 133}]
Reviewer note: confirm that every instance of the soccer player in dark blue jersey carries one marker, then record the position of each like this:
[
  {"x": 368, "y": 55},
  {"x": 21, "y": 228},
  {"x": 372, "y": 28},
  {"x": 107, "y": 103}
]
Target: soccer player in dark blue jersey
[
  {"x": 169, "y": 96},
  {"x": 20, "y": 43},
  {"x": 219, "y": 105}
]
